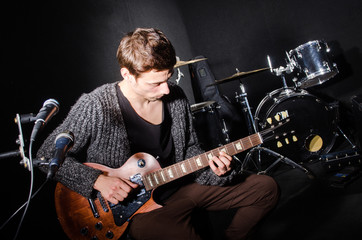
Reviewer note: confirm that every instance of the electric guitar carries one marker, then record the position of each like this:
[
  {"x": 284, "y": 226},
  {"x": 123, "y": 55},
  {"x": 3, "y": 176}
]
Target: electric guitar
[{"x": 95, "y": 218}]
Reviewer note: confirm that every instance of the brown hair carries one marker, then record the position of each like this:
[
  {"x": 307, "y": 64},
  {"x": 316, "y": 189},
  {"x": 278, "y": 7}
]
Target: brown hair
[{"x": 145, "y": 49}]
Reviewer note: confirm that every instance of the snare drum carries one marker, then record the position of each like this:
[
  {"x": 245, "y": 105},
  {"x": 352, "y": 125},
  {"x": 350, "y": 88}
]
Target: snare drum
[
  {"x": 311, "y": 129},
  {"x": 312, "y": 62},
  {"x": 207, "y": 124}
]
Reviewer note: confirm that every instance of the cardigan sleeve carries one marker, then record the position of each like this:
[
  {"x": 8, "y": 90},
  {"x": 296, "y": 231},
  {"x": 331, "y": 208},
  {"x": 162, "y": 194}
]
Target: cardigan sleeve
[{"x": 73, "y": 174}]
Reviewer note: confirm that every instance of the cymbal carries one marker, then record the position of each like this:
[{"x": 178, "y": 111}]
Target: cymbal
[
  {"x": 237, "y": 75},
  {"x": 183, "y": 63},
  {"x": 197, "y": 106}
]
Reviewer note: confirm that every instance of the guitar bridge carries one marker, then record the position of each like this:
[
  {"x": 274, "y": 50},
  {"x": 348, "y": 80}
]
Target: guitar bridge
[{"x": 124, "y": 210}]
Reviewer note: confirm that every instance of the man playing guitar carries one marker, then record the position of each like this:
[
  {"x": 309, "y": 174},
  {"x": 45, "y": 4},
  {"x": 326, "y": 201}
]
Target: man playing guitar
[{"x": 145, "y": 112}]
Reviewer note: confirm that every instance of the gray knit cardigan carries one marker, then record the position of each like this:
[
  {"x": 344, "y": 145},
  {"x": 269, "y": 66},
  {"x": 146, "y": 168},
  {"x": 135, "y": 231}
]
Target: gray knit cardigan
[{"x": 100, "y": 136}]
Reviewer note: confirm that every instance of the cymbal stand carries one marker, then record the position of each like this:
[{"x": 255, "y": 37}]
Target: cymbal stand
[
  {"x": 225, "y": 131},
  {"x": 242, "y": 98}
]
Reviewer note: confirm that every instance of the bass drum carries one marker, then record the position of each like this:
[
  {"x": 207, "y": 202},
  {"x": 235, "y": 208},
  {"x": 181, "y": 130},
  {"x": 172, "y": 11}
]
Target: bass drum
[{"x": 311, "y": 130}]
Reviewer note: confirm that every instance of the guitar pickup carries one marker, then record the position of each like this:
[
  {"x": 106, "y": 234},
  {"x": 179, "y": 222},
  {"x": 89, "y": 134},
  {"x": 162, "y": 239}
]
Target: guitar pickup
[
  {"x": 93, "y": 208},
  {"x": 102, "y": 202}
]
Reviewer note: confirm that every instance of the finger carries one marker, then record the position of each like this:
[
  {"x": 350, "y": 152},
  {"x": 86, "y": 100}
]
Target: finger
[
  {"x": 224, "y": 154},
  {"x": 123, "y": 186},
  {"x": 214, "y": 168},
  {"x": 112, "y": 200},
  {"x": 226, "y": 159},
  {"x": 226, "y": 162},
  {"x": 221, "y": 168},
  {"x": 132, "y": 184},
  {"x": 219, "y": 163}
]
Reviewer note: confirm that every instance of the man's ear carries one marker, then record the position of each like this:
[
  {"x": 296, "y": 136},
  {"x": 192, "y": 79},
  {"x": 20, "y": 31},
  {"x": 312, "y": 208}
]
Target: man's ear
[{"x": 125, "y": 73}]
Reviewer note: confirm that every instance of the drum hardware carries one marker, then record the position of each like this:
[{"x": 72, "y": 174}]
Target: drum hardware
[
  {"x": 225, "y": 131},
  {"x": 179, "y": 73},
  {"x": 279, "y": 158},
  {"x": 281, "y": 71},
  {"x": 353, "y": 146},
  {"x": 242, "y": 98},
  {"x": 341, "y": 159}
]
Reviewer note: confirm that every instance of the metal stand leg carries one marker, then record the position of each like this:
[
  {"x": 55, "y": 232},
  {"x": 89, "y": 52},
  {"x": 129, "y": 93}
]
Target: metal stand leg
[
  {"x": 279, "y": 158},
  {"x": 345, "y": 137}
]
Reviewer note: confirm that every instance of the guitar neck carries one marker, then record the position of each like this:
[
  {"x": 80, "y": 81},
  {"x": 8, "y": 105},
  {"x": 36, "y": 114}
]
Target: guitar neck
[{"x": 162, "y": 176}]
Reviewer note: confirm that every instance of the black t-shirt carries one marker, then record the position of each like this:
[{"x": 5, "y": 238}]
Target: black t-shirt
[
  {"x": 145, "y": 136},
  {"x": 153, "y": 139}
]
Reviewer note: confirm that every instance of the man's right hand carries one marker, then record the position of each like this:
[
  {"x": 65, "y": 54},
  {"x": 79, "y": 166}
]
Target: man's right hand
[{"x": 114, "y": 189}]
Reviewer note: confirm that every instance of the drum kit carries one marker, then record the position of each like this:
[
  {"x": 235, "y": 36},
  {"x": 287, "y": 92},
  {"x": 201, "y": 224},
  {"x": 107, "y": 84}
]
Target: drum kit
[{"x": 312, "y": 129}]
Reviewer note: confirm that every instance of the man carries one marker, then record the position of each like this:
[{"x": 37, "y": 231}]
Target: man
[{"x": 146, "y": 113}]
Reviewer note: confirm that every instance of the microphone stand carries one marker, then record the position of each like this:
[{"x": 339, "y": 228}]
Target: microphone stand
[{"x": 20, "y": 142}]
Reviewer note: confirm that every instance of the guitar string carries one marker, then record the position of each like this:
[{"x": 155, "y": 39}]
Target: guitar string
[{"x": 256, "y": 137}]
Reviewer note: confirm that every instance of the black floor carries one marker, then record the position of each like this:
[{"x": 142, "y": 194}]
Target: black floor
[
  {"x": 308, "y": 209},
  {"x": 324, "y": 208}
]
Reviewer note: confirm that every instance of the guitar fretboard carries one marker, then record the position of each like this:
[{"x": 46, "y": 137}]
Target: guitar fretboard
[{"x": 162, "y": 176}]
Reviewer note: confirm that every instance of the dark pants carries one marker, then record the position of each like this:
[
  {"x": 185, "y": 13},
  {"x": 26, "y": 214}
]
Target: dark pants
[{"x": 252, "y": 198}]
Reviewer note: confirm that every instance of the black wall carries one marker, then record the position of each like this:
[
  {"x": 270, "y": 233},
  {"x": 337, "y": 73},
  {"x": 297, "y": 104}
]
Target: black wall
[
  {"x": 60, "y": 49},
  {"x": 240, "y": 34}
]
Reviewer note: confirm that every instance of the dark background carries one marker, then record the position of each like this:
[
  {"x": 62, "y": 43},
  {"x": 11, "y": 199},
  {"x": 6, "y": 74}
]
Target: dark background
[{"x": 60, "y": 49}]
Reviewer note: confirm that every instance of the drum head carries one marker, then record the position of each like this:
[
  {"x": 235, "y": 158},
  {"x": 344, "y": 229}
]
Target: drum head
[{"x": 312, "y": 126}]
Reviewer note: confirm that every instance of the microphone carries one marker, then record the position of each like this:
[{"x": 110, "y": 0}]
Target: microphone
[
  {"x": 63, "y": 143},
  {"x": 49, "y": 109}
]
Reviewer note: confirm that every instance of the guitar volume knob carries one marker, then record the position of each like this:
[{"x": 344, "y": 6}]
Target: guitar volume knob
[
  {"x": 109, "y": 235},
  {"x": 84, "y": 231},
  {"x": 99, "y": 226}
]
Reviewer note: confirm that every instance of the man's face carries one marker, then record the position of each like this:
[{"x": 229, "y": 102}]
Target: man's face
[{"x": 152, "y": 85}]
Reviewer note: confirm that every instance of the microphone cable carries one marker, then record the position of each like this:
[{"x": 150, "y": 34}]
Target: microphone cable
[
  {"x": 30, "y": 196},
  {"x": 22, "y": 206}
]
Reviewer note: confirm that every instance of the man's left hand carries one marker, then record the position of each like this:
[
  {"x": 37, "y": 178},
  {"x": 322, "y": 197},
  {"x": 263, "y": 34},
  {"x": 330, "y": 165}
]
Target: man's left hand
[{"x": 221, "y": 165}]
